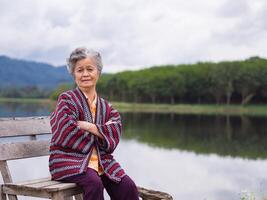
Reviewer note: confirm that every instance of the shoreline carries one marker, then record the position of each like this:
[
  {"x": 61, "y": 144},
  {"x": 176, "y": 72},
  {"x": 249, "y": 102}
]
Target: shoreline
[{"x": 205, "y": 109}]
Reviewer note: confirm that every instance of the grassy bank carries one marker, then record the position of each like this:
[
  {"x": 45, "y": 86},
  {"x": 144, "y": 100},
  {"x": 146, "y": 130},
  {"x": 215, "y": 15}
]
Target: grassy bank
[
  {"x": 260, "y": 110},
  {"x": 23, "y": 100}
]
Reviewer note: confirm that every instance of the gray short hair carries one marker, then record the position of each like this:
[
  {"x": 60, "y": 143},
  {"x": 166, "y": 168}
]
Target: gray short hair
[{"x": 81, "y": 53}]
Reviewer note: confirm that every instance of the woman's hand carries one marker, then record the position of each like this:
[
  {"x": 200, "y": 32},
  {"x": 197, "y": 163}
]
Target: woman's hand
[{"x": 87, "y": 126}]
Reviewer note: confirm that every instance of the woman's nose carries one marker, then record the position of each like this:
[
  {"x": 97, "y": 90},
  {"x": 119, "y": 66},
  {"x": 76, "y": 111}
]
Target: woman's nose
[{"x": 85, "y": 73}]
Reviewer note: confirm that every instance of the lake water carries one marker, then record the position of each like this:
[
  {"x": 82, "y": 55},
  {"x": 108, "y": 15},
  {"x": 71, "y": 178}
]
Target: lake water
[{"x": 195, "y": 157}]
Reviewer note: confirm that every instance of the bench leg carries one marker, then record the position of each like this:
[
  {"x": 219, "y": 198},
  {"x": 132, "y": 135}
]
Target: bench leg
[
  {"x": 60, "y": 196},
  {"x": 79, "y": 197},
  {"x": 57, "y": 196},
  {"x": 2, "y": 195},
  {"x": 12, "y": 197}
]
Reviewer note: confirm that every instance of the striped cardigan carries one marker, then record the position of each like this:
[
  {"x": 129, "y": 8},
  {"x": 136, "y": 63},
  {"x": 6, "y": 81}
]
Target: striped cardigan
[{"x": 71, "y": 147}]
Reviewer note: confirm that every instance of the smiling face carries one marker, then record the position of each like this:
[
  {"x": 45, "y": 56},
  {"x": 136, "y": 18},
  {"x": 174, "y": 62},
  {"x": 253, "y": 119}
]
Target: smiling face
[{"x": 86, "y": 73}]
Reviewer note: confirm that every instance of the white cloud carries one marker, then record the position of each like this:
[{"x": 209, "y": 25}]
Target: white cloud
[{"x": 135, "y": 33}]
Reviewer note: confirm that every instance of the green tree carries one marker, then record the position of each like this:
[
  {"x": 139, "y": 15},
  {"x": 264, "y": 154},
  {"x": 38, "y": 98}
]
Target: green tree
[
  {"x": 197, "y": 81},
  {"x": 248, "y": 81},
  {"x": 103, "y": 86},
  {"x": 223, "y": 76}
]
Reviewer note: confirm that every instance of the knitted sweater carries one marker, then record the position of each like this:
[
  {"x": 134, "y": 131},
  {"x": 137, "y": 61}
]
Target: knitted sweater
[{"x": 71, "y": 147}]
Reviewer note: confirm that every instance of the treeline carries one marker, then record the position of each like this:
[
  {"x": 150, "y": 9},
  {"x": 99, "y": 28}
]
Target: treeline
[
  {"x": 226, "y": 82},
  {"x": 24, "y": 92},
  {"x": 238, "y": 82}
]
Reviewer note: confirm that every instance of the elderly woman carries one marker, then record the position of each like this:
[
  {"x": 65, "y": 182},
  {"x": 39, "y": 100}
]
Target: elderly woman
[{"x": 86, "y": 130}]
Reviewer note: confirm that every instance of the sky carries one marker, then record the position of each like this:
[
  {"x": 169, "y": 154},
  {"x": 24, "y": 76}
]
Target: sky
[{"x": 134, "y": 34}]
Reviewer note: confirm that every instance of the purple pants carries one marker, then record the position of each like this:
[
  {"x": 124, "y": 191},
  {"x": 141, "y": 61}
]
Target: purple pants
[{"x": 93, "y": 186}]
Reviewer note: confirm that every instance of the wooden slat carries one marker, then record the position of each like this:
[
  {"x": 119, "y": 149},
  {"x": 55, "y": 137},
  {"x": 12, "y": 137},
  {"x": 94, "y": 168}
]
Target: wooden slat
[
  {"x": 43, "y": 184},
  {"x": 22, "y": 191},
  {"x": 19, "y": 190},
  {"x": 24, "y": 126},
  {"x": 20, "y": 150},
  {"x": 60, "y": 186},
  {"x": 29, "y": 182},
  {"x": 68, "y": 189}
]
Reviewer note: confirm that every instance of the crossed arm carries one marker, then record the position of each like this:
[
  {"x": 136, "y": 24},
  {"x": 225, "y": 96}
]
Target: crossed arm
[{"x": 87, "y": 126}]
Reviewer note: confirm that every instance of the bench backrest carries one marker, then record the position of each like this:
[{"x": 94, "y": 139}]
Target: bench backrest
[
  {"x": 23, "y": 137},
  {"x": 11, "y": 129},
  {"x": 12, "y": 147}
]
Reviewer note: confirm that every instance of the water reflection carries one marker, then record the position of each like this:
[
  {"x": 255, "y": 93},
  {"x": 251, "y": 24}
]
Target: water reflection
[
  {"x": 185, "y": 175},
  {"x": 240, "y": 136},
  {"x": 14, "y": 109}
]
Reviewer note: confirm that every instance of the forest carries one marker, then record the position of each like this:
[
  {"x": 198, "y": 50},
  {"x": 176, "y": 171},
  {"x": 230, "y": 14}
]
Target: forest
[{"x": 226, "y": 82}]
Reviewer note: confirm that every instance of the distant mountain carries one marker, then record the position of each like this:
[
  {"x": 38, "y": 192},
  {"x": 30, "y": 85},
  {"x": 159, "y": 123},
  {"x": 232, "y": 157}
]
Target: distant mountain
[{"x": 20, "y": 73}]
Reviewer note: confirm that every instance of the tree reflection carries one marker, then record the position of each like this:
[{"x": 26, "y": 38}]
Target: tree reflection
[{"x": 237, "y": 136}]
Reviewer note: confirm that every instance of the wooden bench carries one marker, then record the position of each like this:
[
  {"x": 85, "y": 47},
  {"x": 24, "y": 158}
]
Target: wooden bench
[{"x": 32, "y": 128}]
